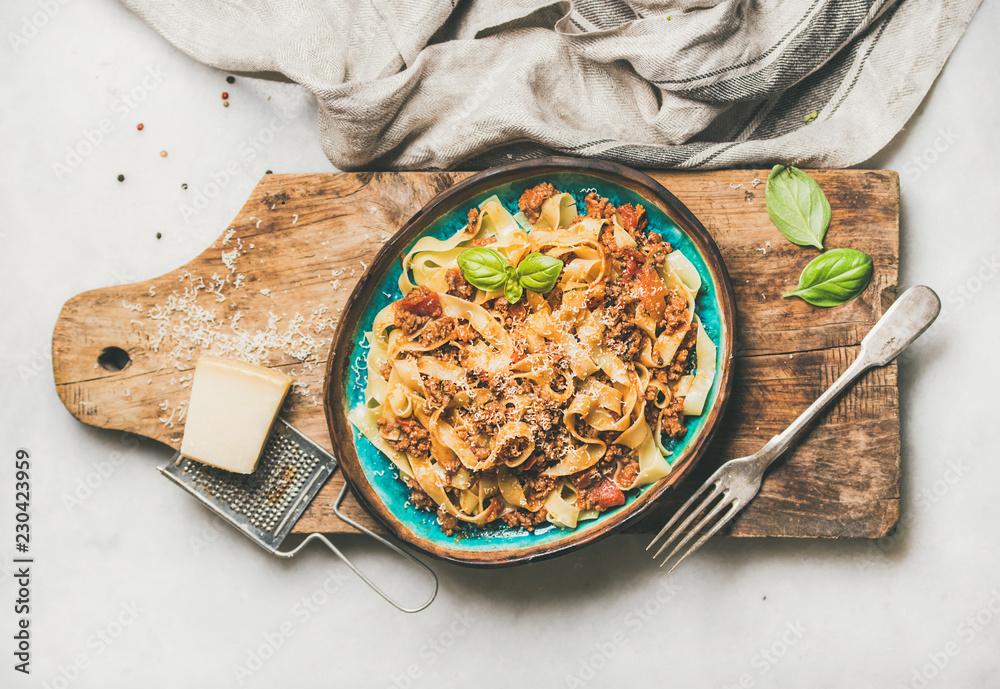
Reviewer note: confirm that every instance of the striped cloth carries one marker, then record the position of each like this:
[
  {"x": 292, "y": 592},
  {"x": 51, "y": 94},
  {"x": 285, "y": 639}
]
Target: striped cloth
[{"x": 416, "y": 84}]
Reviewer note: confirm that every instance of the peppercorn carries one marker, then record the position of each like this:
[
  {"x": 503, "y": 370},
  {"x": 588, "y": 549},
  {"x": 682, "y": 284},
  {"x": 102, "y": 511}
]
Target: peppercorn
[
  {"x": 225, "y": 104},
  {"x": 225, "y": 95},
  {"x": 139, "y": 126},
  {"x": 158, "y": 235},
  {"x": 121, "y": 178},
  {"x": 163, "y": 154},
  {"x": 184, "y": 186},
  {"x": 230, "y": 80}
]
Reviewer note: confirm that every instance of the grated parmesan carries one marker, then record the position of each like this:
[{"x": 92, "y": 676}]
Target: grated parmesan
[{"x": 229, "y": 259}]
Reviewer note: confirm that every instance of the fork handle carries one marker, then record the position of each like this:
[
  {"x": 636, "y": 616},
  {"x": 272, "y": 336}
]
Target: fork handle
[{"x": 901, "y": 324}]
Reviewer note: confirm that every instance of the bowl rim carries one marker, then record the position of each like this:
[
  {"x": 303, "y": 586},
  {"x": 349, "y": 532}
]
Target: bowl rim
[{"x": 341, "y": 348}]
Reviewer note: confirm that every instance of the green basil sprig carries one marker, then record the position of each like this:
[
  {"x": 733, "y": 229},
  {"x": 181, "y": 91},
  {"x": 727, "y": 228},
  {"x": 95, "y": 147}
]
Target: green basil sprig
[
  {"x": 834, "y": 278},
  {"x": 484, "y": 268},
  {"x": 488, "y": 269},
  {"x": 512, "y": 291},
  {"x": 797, "y": 206},
  {"x": 539, "y": 272}
]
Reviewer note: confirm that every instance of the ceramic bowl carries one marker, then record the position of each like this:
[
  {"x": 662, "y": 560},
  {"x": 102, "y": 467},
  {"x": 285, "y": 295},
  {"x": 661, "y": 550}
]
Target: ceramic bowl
[{"x": 370, "y": 473}]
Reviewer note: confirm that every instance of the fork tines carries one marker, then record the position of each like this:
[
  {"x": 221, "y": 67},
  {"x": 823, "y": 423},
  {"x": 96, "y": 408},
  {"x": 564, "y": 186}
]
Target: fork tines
[{"x": 714, "y": 504}]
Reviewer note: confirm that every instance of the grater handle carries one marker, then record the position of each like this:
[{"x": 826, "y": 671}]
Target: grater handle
[{"x": 384, "y": 541}]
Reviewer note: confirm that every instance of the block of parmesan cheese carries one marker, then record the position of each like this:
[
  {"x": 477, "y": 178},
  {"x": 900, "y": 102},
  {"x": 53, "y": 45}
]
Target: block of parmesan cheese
[{"x": 233, "y": 405}]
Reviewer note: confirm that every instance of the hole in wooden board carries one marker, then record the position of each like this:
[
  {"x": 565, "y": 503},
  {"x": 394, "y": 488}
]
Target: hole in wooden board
[{"x": 114, "y": 359}]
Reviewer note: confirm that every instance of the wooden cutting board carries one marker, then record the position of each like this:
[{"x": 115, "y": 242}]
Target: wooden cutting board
[{"x": 271, "y": 287}]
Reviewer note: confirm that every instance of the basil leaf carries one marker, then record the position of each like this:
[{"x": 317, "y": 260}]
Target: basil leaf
[
  {"x": 539, "y": 272},
  {"x": 797, "y": 206},
  {"x": 512, "y": 291},
  {"x": 484, "y": 268},
  {"x": 834, "y": 278}
]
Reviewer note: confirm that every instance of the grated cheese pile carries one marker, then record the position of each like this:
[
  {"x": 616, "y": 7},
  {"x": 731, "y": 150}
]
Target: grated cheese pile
[
  {"x": 193, "y": 319},
  {"x": 190, "y": 322},
  {"x": 190, "y": 329}
]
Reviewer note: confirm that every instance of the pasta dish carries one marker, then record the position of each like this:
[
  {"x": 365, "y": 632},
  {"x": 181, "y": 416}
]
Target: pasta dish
[{"x": 540, "y": 364}]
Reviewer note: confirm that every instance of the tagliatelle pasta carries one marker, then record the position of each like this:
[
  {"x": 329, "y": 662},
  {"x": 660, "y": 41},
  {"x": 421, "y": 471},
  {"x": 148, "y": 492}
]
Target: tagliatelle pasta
[{"x": 551, "y": 408}]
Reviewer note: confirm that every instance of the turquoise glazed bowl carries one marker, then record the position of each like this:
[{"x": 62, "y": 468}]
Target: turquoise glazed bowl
[{"x": 373, "y": 477}]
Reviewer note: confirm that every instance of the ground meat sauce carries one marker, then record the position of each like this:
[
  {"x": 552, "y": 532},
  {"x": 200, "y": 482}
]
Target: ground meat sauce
[
  {"x": 440, "y": 392},
  {"x": 449, "y": 524},
  {"x": 405, "y": 435},
  {"x": 676, "y": 315},
  {"x": 420, "y": 499},
  {"x": 554, "y": 299},
  {"x": 478, "y": 443},
  {"x": 438, "y": 331},
  {"x": 510, "y": 314},
  {"x": 629, "y": 470},
  {"x": 537, "y": 487},
  {"x": 655, "y": 248},
  {"x": 414, "y": 310},
  {"x": 447, "y": 352},
  {"x": 585, "y": 479},
  {"x": 597, "y": 206},
  {"x": 607, "y": 240},
  {"x": 681, "y": 362},
  {"x": 672, "y": 419},
  {"x": 526, "y": 520},
  {"x": 531, "y": 200},
  {"x": 457, "y": 284},
  {"x": 621, "y": 335},
  {"x": 486, "y": 417}
]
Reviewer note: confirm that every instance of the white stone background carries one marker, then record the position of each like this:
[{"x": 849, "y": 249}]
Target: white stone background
[{"x": 920, "y": 609}]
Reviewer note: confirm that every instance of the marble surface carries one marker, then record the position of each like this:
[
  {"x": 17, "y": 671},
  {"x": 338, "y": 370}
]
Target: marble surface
[{"x": 135, "y": 585}]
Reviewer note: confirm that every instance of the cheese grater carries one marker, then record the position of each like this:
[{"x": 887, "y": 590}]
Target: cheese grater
[{"x": 265, "y": 504}]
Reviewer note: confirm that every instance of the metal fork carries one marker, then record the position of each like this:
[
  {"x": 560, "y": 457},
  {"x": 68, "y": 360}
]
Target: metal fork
[{"x": 737, "y": 481}]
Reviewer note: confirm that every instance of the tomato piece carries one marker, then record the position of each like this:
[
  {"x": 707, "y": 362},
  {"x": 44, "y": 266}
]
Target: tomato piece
[
  {"x": 421, "y": 302},
  {"x": 517, "y": 311},
  {"x": 631, "y": 268},
  {"x": 493, "y": 511},
  {"x": 630, "y": 218},
  {"x": 648, "y": 285},
  {"x": 607, "y": 494},
  {"x": 633, "y": 263},
  {"x": 649, "y": 289}
]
